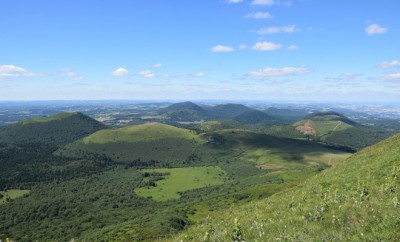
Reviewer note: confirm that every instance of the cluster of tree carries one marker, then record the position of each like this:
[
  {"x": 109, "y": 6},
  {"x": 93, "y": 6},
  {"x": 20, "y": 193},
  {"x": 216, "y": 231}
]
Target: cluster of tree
[
  {"x": 68, "y": 128},
  {"x": 25, "y": 165}
]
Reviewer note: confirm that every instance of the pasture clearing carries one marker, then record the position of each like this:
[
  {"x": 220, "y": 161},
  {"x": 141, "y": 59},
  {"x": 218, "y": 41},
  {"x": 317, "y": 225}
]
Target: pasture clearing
[
  {"x": 180, "y": 180},
  {"x": 12, "y": 194}
]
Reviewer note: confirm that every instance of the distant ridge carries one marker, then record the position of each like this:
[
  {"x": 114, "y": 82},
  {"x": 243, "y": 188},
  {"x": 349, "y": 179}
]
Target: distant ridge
[
  {"x": 254, "y": 117},
  {"x": 55, "y": 130},
  {"x": 182, "y": 106},
  {"x": 329, "y": 116},
  {"x": 229, "y": 110},
  {"x": 185, "y": 112},
  {"x": 189, "y": 112}
]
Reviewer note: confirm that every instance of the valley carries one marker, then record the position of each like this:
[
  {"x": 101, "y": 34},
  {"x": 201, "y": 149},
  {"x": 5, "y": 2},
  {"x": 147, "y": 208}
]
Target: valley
[{"x": 68, "y": 176}]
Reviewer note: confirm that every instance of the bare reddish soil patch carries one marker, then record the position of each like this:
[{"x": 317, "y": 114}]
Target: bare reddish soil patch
[
  {"x": 269, "y": 167},
  {"x": 307, "y": 128}
]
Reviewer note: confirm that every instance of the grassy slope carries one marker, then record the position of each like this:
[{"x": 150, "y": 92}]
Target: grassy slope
[
  {"x": 357, "y": 199},
  {"x": 325, "y": 127},
  {"x": 180, "y": 180},
  {"x": 140, "y": 133},
  {"x": 262, "y": 149},
  {"x": 151, "y": 141}
]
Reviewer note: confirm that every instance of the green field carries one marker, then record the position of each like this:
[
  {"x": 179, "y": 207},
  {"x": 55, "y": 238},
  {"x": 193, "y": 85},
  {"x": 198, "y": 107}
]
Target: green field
[
  {"x": 141, "y": 133},
  {"x": 180, "y": 180},
  {"x": 12, "y": 194}
]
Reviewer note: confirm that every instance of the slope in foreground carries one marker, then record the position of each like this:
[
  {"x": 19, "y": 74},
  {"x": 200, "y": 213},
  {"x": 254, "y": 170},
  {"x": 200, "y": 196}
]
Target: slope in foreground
[{"x": 357, "y": 199}]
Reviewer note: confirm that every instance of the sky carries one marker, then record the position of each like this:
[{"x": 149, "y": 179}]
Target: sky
[{"x": 308, "y": 50}]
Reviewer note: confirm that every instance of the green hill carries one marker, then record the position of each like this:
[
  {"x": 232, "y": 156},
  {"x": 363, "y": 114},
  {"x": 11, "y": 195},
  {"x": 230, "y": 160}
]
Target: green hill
[
  {"x": 145, "y": 142},
  {"x": 323, "y": 124},
  {"x": 140, "y": 133},
  {"x": 190, "y": 112},
  {"x": 26, "y": 149},
  {"x": 356, "y": 200},
  {"x": 53, "y": 130},
  {"x": 184, "y": 112},
  {"x": 333, "y": 129},
  {"x": 329, "y": 116},
  {"x": 181, "y": 107}
]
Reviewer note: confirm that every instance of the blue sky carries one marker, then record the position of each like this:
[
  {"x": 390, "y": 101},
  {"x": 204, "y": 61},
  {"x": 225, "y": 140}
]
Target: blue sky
[{"x": 331, "y": 50}]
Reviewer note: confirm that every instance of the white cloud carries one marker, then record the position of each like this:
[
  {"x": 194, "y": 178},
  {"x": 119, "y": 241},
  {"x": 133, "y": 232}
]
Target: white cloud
[
  {"x": 71, "y": 73},
  {"x": 292, "y": 48},
  {"x": 76, "y": 78},
  {"x": 388, "y": 64},
  {"x": 266, "y": 46},
  {"x": 147, "y": 74},
  {"x": 275, "y": 72},
  {"x": 373, "y": 29},
  {"x": 259, "y": 15},
  {"x": 10, "y": 70},
  {"x": 391, "y": 77},
  {"x": 120, "y": 72},
  {"x": 16, "y": 71},
  {"x": 72, "y": 76},
  {"x": 263, "y": 2},
  {"x": 222, "y": 48},
  {"x": 157, "y": 65},
  {"x": 235, "y": 1},
  {"x": 278, "y": 29},
  {"x": 344, "y": 79},
  {"x": 191, "y": 75}
]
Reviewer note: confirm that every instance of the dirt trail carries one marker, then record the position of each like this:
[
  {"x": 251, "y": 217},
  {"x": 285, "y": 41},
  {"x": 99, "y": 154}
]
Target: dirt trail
[
  {"x": 270, "y": 167},
  {"x": 339, "y": 123}
]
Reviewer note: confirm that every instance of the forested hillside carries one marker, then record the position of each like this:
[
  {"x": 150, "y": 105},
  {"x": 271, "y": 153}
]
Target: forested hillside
[
  {"x": 26, "y": 149},
  {"x": 52, "y": 130}
]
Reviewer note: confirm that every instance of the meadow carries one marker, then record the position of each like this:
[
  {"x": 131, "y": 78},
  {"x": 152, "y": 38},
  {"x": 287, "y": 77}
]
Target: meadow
[
  {"x": 11, "y": 194},
  {"x": 178, "y": 180}
]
